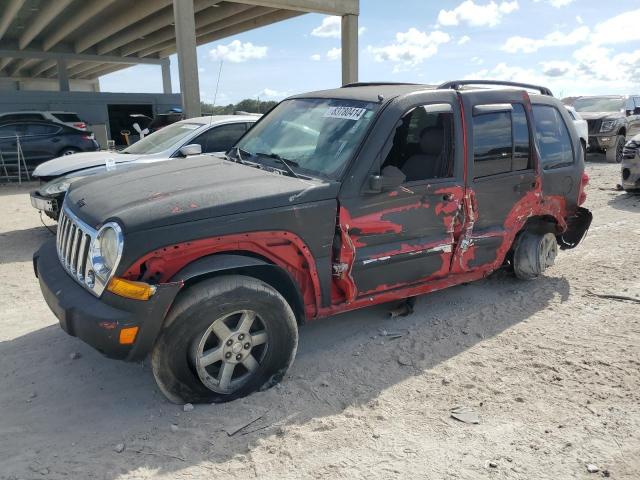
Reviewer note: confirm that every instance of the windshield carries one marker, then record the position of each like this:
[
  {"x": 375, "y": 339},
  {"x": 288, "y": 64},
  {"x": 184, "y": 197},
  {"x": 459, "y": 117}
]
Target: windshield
[
  {"x": 162, "y": 139},
  {"x": 599, "y": 104},
  {"x": 313, "y": 135}
]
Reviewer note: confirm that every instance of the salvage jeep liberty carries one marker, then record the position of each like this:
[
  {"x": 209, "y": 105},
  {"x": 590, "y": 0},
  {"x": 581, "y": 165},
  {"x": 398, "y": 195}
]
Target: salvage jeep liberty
[{"x": 333, "y": 201}]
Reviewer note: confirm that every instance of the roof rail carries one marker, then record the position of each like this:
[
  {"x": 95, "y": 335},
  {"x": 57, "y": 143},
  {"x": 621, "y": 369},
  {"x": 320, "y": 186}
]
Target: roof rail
[
  {"x": 456, "y": 84},
  {"x": 375, "y": 84}
]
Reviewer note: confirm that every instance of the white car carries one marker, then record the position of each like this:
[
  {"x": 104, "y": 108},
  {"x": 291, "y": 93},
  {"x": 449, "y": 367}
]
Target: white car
[
  {"x": 581, "y": 127},
  {"x": 214, "y": 134},
  {"x": 70, "y": 119}
]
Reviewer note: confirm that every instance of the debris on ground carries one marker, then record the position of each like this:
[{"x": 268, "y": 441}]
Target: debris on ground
[
  {"x": 75, "y": 356},
  {"x": 188, "y": 407},
  {"x": 232, "y": 430},
  {"x": 465, "y": 414},
  {"x": 591, "y": 468},
  {"x": 405, "y": 360},
  {"x": 119, "y": 448}
]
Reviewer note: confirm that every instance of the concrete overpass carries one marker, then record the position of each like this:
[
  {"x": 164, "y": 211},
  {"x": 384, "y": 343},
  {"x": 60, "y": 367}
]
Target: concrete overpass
[{"x": 85, "y": 39}]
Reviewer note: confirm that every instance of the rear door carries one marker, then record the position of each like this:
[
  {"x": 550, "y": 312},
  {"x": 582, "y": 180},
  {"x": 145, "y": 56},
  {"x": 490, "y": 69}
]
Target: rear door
[
  {"x": 501, "y": 173},
  {"x": 40, "y": 142},
  {"x": 405, "y": 235}
]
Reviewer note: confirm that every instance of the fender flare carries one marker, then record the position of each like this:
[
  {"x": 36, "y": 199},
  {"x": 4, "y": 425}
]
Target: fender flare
[{"x": 262, "y": 269}]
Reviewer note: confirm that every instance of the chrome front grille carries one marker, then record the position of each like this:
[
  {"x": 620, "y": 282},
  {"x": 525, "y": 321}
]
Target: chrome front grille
[{"x": 73, "y": 241}]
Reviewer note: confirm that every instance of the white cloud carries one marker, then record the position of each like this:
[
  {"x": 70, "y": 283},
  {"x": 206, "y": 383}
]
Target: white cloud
[
  {"x": 557, "y": 3},
  {"x": 477, "y": 61},
  {"x": 272, "y": 94},
  {"x": 464, "y": 39},
  {"x": 331, "y": 27},
  {"x": 554, "y": 39},
  {"x": 475, "y": 15},
  {"x": 334, "y": 54},
  {"x": 315, "y": 57},
  {"x": 619, "y": 29},
  {"x": 410, "y": 48},
  {"x": 238, "y": 52}
]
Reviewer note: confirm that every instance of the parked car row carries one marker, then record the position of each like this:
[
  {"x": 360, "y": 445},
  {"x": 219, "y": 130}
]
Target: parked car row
[
  {"x": 214, "y": 134},
  {"x": 611, "y": 119},
  {"x": 42, "y": 140},
  {"x": 334, "y": 200}
]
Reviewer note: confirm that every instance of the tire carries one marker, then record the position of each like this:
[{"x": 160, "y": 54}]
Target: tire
[
  {"x": 193, "y": 326},
  {"x": 614, "y": 154},
  {"x": 68, "y": 151},
  {"x": 534, "y": 253}
]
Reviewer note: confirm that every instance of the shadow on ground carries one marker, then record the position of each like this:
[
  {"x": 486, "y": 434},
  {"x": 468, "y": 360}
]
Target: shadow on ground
[{"x": 69, "y": 413}]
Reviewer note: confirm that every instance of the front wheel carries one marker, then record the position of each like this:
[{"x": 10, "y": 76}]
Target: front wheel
[
  {"x": 225, "y": 338},
  {"x": 534, "y": 253},
  {"x": 614, "y": 154}
]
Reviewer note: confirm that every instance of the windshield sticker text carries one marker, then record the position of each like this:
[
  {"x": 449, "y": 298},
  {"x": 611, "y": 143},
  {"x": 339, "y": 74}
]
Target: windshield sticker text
[{"x": 346, "y": 113}]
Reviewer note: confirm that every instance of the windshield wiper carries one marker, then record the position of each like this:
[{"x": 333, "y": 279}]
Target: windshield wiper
[
  {"x": 238, "y": 157},
  {"x": 283, "y": 161}
]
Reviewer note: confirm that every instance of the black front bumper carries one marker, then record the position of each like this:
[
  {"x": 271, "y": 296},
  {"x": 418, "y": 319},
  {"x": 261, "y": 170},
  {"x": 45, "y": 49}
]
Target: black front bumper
[{"x": 98, "y": 321}]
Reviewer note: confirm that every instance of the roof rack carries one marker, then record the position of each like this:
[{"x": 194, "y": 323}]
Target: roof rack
[
  {"x": 375, "y": 84},
  {"x": 456, "y": 84}
]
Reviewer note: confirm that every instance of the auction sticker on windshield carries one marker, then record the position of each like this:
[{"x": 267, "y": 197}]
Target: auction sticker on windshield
[{"x": 346, "y": 113}]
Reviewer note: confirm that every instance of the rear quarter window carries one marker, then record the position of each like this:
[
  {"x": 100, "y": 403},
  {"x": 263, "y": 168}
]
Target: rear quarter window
[
  {"x": 67, "y": 117},
  {"x": 554, "y": 140}
]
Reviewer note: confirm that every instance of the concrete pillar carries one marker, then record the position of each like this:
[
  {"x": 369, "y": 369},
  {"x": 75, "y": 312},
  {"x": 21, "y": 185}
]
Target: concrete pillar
[
  {"x": 63, "y": 75},
  {"x": 349, "y": 49},
  {"x": 187, "y": 57},
  {"x": 166, "y": 75}
]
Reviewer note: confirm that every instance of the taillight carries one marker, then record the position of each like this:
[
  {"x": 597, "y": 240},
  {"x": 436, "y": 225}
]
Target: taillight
[
  {"x": 80, "y": 125},
  {"x": 584, "y": 181}
]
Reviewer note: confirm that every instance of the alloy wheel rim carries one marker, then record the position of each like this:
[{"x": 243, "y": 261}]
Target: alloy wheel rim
[{"x": 232, "y": 348}]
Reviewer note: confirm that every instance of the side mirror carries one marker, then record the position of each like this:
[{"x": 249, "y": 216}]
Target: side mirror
[
  {"x": 192, "y": 149},
  {"x": 389, "y": 179}
]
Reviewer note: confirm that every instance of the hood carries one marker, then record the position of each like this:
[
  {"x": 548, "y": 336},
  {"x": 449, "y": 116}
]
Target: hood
[
  {"x": 187, "y": 190},
  {"x": 78, "y": 161},
  {"x": 600, "y": 115}
]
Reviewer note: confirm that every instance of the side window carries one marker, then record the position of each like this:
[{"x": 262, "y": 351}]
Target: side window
[
  {"x": 553, "y": 137},
  {"x": 220, "y": 139},
  {"x": 492, "y": 144},
  {"x": 40, "y": 129},
  {"x": 423, "y": 145}
]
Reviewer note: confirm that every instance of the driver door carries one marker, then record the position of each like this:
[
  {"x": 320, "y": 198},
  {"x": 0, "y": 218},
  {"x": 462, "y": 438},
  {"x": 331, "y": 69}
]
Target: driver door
[{"x": 405, "y": 235}]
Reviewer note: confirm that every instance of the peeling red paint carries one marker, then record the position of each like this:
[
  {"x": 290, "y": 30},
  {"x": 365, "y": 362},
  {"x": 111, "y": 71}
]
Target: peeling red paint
[{"x": 284, "y": 249}]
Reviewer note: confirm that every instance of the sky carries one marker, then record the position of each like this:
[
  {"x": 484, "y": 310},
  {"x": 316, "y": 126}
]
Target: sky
[{"x": 575, "y": 47}]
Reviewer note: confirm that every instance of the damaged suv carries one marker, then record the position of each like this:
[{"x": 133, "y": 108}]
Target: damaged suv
[{"x": 333, "y": 201}]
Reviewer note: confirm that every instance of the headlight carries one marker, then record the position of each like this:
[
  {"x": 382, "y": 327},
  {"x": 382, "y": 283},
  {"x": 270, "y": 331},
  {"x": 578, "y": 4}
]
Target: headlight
[
  {"x": 58, "y": 185},
  {"x": 106, "y": 250},
  {"x": 608, "y": 125}
]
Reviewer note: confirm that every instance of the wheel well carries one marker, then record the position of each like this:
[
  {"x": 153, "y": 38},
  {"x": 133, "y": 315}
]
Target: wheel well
[
  {"x": 539, "y": 224},
  {"x": 270, "y": 274},
  {"x": 70, "y": 147},
  {"x": 623, "y": 131}
]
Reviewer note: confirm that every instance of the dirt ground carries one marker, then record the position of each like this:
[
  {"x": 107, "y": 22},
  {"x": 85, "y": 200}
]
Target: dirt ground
[{"x": 551, "y": 371}]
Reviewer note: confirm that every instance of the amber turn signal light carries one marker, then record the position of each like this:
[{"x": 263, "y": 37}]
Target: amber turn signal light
[
  {"x": 128, "y": 335},
  {"x": 131, "y": 289}
]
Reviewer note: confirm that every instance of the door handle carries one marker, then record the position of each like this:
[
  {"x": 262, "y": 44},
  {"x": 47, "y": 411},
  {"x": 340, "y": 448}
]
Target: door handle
[{"x": 523, "y": 186}]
